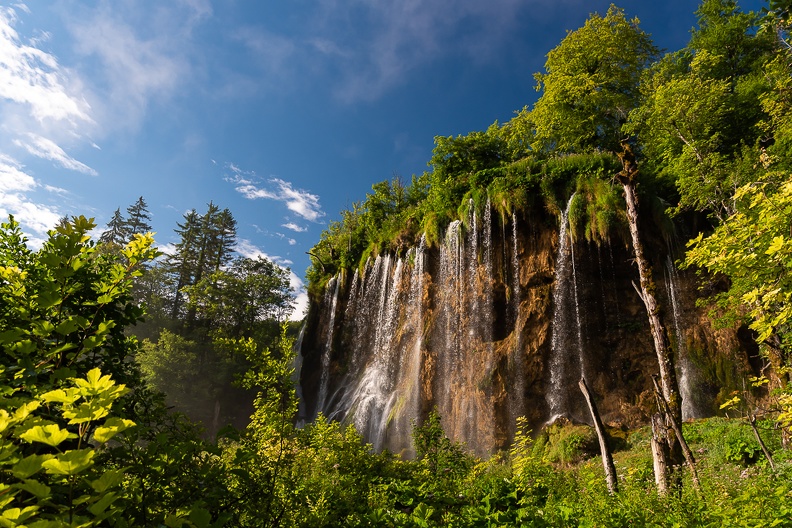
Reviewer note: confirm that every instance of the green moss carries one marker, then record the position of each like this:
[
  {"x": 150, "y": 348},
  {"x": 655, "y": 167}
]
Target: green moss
[{"x": 569, "y": 444}]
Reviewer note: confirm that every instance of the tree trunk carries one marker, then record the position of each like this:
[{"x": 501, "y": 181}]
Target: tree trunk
[
  {"x": 691, "y": 461},
  {"x": 627, "y": 177},
  {"x": 660, "y": 454},
  {"x": 752, "y": 421},
  {"x": 607, "y": 459}
]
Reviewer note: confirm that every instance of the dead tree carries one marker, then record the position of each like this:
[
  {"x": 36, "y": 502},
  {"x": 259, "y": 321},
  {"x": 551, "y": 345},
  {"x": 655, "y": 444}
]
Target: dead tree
[
  {"x": 660, "y": 453},
  {"x": 689, "y": 459},
  {"x": 607, "y": 459},
  {"x": 670, "y": 388}
]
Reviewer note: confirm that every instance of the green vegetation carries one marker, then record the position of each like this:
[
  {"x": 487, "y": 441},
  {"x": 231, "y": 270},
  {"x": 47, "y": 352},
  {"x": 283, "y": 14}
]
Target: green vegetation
[{"x": 87, "y": 437}]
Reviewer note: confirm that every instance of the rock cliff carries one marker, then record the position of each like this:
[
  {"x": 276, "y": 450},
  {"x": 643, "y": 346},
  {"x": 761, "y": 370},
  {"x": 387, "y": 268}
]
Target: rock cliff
[{"x": 501, "y": 319}]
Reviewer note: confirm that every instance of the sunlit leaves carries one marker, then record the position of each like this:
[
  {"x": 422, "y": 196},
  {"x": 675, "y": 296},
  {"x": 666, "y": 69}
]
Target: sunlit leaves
[
  {"x": 51, "y": 435},
  {"x": 754, "y": 250},
  {"x": 591, "y": 84}
]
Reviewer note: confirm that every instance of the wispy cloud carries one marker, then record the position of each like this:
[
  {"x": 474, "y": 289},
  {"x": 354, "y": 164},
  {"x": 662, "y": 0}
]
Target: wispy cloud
[
  {"x": 15, "y": 184},
  {"x": 295, "y": 227},
  {"x": 298, "y": 201},
  {"x": 47, "y": 149},
  {"x": 135, "y": 68},
  {"x": 33, "y": 78},
  {"x": 383, "y": 42}
]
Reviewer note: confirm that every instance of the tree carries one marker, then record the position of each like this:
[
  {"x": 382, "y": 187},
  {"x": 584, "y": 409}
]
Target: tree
[
  {"x": 591, "y": 84},
  {"x": 702, "y": 114},
  {"x": 138, "y": 217},
  {"x": 181, "y": 262},
  {"x": 235, "y": 301},
  {"x": 116, "y": 232},
  {"x": 753, "y": 249}
]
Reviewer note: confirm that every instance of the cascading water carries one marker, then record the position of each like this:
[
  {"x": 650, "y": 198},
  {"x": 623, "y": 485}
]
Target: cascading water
[
  {"x": 482, "y": 330},
  {"x": 685, "y": 370},
  {"x": 331, "y": 300},
  {"x": 302, "y": 414},
  {"x": 566, "y": 336},
  {"x": 517, "y": 398}
]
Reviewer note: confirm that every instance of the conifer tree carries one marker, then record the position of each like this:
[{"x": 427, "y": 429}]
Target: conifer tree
[
  {"x": 137, "y": 221},
  {"x": 116, "y": 232}
]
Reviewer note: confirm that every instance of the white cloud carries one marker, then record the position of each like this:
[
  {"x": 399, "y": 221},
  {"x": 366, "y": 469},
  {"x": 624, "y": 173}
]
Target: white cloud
[
  {"x": 33, "y": 78},
  {"x": 12, "y": 178},
  {"x": 167, "y": 249},
  {"x": 36, "y": 219},
  {"x": 135, "y": 68},
  {"x": 292, "y": 242},
  {"x": 295, "y": 227},
  {"x": 47, "y": 149},
  {"x": 298, "y": 201},
  {"x": 376, "y": 45}
]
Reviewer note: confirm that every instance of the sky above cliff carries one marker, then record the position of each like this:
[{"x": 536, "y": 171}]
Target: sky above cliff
[{"x": 284, "y": 112}]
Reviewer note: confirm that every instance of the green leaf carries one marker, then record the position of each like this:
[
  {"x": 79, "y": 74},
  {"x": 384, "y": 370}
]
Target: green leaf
[
  {"x": 94, "y": 382},
  {"x": 45, "y": 523},
  {"x": 29, "y": 466},
  {"x": 101, "y": 505},
  {"x": 173, "y": 520},
  {"x": 111, "y": 427},
  {"x": 108, "y": 480},
  {"x": 68, "y": 396},
  {"x": 51, "y": 435},
  {"x": 89, "y": 411},
  {"x": 200, "y": 517},
  {"x": 68, "y": 326},
  {"x": 34, "y": 487},
  {"x": 70, "y": 462}
]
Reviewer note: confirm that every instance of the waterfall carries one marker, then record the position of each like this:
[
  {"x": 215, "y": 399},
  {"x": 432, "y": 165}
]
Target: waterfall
[
  {"x": 330, "y": 300},
  {"x": 563, "y": 341},
  {"x": 517, "y": 395},
  {"x": 685, "y": 370},
  {"x": 515, "y": 263},
  {"x": 581, "y": 352},
  {"x": 302, "y": 414}
]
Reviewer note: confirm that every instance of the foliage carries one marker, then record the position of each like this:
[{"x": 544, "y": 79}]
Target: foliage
[
  {"x": 753, "y": 249},
  {"x": 702, "y": 114},
  {"x": 50, "y": 475},
  {"x": 591, "y": 84},
  {"x": 64, "y": 314}
]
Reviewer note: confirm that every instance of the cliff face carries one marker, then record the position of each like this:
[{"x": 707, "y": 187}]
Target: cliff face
[{"x": 500, "y": 320}]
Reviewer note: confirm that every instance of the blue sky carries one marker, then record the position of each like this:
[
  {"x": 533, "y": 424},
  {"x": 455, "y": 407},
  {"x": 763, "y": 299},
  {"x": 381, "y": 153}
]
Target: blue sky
[{"x": 284, "y": 112}]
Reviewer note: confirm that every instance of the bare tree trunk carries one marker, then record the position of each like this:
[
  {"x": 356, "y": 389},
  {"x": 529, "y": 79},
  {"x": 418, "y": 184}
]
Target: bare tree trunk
[
  {"x": 668, "y": 379},
  {"x": 660, "y": 454},
  {"x": 691, "y": 461},
  {"x": 627, "y": 177},
  {"x": 752, "y": 421},
  {"x": 607, "y": 459}
]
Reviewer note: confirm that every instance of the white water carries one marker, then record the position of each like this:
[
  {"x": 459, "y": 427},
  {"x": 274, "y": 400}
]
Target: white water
[
  {"x": 566, "y": 330},
  {"x": 685, "y": 370},
  {"x": 330, "y": 300}
]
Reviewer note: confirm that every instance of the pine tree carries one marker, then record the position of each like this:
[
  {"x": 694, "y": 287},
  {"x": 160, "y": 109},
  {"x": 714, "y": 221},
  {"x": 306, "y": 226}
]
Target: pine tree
[
  {"x": 182, "y": 263},
  {"x": 116, "y": 232},
  {"x": 137, "y": 221},
  {"x": 206, "y": 246}
]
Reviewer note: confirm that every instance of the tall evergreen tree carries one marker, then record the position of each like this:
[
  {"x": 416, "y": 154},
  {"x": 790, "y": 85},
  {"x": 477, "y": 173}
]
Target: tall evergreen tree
[
  {"x": 116, "y": 232},
  {"x": 206, "y": 246},
  {"x": 137, "y": 221},
  {"x": 182, "y": 263}
]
